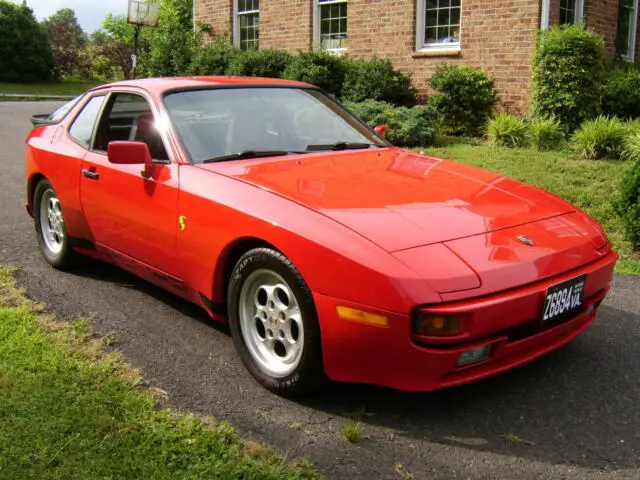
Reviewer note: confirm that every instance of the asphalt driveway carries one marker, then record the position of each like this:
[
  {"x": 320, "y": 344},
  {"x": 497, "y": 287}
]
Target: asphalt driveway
[{"x": 573, "y": 414}]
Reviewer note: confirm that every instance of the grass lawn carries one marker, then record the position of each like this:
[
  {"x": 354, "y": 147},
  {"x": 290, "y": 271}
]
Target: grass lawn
[
  {"x": 68, "y": 411},
  {"x": 591, "y": 185},
  {"x": 67, "y": 87}
]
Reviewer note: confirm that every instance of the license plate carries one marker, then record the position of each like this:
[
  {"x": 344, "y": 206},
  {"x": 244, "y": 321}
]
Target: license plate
[{"x": 564, "y": 299}]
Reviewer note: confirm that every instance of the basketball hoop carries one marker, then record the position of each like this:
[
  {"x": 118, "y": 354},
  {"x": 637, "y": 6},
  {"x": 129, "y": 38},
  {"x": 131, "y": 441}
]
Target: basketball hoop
[{"x": 143, "y": 13}]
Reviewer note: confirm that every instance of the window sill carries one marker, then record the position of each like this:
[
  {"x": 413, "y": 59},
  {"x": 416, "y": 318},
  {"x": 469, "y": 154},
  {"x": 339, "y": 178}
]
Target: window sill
[{"x": 437, "y": 52}]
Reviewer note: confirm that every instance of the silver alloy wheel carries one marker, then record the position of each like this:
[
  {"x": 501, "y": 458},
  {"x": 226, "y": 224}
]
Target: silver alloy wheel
[
  {"x": 271, "y": 322},
  {"x": 51, "y": 221}
]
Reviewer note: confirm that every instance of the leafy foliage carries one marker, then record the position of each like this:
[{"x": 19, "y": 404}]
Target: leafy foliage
[
  {"x": 319, "y": 68},
  {"x": 376, "y": 79},
  {"x": 602, "y": 137},
  {"x": 629, "y": 203},
  {"x": 466, "y": 98},
  {"x": 621, "y": 93},
  {"x": 507, "y": 130},
  {"x": 546, "y": 133},
  {"x": 415, "y": 126},
  {"x": 259, "y": 63},
  {"x": 25, "y": 51},
  {"x": 113, "y": 44},
  {"x": 213, "y": 57},
  {"x": 67, "y": 42},
  {"x": 173, "y": 43},
  {"x": 567, "y": 75}
]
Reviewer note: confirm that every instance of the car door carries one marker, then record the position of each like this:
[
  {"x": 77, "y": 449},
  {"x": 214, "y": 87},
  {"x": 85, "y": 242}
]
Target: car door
[{"x": 132, "y": 214}]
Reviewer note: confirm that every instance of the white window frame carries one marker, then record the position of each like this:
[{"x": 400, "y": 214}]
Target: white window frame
[
  {"x": 421, "y": 19},
  {"x": 633, "y": 28},
  {"x": 579, "y": 13},
  {"x": 545, "y": 13},
  {"x": 317, "y": 5},
  {"x": 236, "y": 22}
]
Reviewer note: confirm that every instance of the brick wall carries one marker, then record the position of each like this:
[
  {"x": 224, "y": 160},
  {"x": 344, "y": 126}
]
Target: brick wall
[
  {"x": 602, "y": 17},
  {"x": 286, "y": 24},
  {"x": 497, "y": 36},
  {"x": 218, "y": 14}
]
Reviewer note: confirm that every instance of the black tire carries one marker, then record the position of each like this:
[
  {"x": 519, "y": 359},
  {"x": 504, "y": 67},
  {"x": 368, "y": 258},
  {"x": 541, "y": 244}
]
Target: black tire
[
  {"x": 65, "y": 258},
  {"x": 308, "y": 374}
]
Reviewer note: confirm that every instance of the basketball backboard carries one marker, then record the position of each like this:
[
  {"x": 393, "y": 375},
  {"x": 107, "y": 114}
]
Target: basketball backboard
[{"x": 143, "y": 13}]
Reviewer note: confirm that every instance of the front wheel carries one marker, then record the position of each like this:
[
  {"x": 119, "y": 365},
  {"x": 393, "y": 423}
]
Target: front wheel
[
  {"x": 274, "y": 323},
  {"x": 51, "y": 229}
]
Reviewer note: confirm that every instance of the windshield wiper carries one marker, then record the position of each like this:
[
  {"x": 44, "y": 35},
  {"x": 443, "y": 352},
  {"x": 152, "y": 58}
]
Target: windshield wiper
[
  {"x": 341, "y": 146},
  {"x": 251, "y": 154}
]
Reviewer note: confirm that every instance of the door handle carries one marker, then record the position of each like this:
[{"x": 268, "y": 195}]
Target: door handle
[{"x": 90, "y": 174}]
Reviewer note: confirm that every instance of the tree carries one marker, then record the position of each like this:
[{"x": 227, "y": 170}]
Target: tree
[
  {"x": 115, "y": 42},
  {"x": 173, "y": 43},
  {"x": 67, "y": 41},
  {"x": 25, "y": 51}
]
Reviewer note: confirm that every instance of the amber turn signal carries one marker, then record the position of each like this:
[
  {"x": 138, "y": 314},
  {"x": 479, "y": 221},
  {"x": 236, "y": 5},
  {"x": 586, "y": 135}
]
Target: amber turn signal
[
  {"x": 362, "y": 317},
  {"x": 437, "y": 325}
]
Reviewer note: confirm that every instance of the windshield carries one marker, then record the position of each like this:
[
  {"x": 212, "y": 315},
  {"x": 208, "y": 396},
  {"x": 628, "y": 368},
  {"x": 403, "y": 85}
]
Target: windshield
[{"x": 223, "y": 122}]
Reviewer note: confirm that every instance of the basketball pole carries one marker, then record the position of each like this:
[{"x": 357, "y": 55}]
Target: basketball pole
[{"x": 134, "y": 56}]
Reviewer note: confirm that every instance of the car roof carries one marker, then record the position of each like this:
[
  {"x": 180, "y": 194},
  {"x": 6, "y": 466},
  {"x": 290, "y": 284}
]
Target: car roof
[{"x": 159, "y": 85}]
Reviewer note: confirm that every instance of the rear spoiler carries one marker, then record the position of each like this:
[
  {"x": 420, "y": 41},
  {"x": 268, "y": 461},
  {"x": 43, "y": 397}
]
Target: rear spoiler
[{"x": 43, "y": 119}]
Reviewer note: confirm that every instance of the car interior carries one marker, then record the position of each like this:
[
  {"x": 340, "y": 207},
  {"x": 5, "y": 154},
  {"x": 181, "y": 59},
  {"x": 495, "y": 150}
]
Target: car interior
[{"x": 129, "y": 117}]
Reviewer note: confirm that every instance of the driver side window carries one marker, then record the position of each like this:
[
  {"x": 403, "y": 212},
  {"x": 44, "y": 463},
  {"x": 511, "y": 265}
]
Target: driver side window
[{"x": 128, "y": 116}]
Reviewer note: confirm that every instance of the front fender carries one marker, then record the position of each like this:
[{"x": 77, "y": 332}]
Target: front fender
[{"x": 333, "y": 259}]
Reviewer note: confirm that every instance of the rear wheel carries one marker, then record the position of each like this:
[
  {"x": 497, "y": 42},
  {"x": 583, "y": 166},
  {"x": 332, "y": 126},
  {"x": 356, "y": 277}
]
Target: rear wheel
[
  {"x": 51, "y": 229},
  {"x": 274, "y": 323}
]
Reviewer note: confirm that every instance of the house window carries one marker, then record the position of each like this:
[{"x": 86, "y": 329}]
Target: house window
[
  {"x": 331, "y": 24},
  {"x": 571, "y": 11},
  {"x": 627, "y": 18},
  {"x": 438, "y": 24},
  {"x": 247, "y": 24}
]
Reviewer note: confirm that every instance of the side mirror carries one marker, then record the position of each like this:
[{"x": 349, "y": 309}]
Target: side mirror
[
  {"x": 380, "y": 130},
  {"x": 131, "y": 153}
]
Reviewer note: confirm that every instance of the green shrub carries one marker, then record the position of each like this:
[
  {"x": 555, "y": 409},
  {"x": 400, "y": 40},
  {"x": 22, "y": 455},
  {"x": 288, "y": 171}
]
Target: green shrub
[
  {"x": 371, "y": 112},
  {"x": 465, "y": 99},
  {"x": 567, "y": 75},
  {"x": 376, "y": 79},
  {"x": 213, "y": 58},
  {"x": 408, "y": 127},
  {"x": 603, "y": 137},
  {"x": 546, "y": 133},
  {"x": 507, "y": 130},
  {"x": 319, "y": 68},
  {"x": 259, "y": 63},
  {"x": 633, "y": 126},
  {"x": 632, "y": 146},
  {"x": 629, "y": 203},
  {"x": 621, "y": 94}
]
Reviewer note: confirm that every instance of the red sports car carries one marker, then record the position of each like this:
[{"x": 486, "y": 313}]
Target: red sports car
[{"x": 331, "y": 253}]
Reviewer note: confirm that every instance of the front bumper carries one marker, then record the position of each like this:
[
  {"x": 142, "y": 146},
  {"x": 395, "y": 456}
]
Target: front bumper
[{"x": 388, "y": 356}]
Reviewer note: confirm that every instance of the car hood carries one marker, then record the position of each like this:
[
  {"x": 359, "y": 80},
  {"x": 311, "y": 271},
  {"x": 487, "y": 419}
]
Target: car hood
[{"x": 397, "y": 198}]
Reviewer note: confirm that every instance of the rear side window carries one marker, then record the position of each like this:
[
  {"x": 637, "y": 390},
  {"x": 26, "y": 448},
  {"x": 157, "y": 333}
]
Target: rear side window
[
  {"x": 62, "y": 111},
  {"x": 82, "y": 127}
]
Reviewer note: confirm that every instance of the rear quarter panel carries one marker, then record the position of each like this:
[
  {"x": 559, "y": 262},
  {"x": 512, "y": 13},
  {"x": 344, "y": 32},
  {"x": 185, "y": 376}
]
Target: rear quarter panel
[{"x": 52, "y": 155}]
